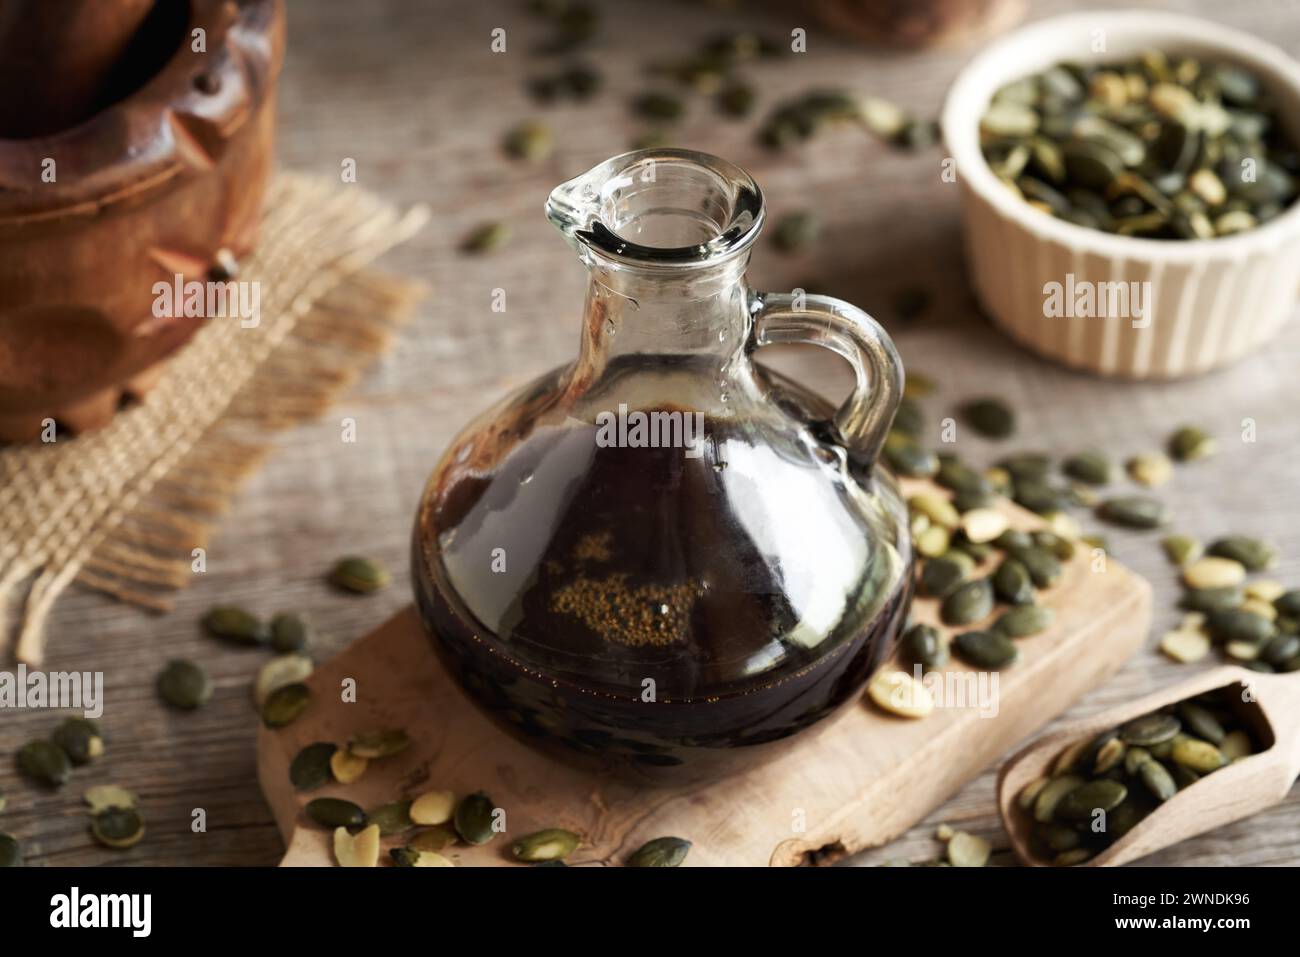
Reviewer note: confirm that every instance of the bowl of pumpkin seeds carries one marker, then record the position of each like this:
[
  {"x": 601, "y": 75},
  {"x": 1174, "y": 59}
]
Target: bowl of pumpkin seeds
[{"x": 1129, "y": 185}]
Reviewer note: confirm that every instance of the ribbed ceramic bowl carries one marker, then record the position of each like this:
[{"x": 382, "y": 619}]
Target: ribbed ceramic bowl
[{"x": 1211, "y": 301}]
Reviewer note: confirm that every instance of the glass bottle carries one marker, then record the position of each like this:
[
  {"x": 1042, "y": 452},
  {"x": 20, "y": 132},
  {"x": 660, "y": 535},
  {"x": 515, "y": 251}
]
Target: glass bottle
[{"x": 663, "y": 558}]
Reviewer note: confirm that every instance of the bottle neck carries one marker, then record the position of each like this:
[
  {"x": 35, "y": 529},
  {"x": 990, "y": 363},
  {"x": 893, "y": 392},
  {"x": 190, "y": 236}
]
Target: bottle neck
[{"x": 673, "y": 313}]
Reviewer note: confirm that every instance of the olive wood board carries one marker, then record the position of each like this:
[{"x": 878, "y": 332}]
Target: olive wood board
[{"x": 861, "y": 781}]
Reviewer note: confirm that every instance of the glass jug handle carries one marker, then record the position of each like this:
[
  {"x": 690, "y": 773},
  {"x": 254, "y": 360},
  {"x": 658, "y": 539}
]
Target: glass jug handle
[{"x": 866, "y": 415}]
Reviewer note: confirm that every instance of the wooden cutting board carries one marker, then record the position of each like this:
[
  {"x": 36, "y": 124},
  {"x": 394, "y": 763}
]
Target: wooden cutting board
[{"x": 862, "y": 781}]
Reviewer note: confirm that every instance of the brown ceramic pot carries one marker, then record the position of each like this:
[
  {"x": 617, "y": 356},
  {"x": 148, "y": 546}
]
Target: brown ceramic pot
[{"x": 168, "y": 179}]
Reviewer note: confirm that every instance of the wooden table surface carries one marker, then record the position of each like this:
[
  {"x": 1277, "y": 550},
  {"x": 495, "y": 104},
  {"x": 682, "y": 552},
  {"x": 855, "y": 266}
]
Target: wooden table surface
[{"x": 411, "y": 92}]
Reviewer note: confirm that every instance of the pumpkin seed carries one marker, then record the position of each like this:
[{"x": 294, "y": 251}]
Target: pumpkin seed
[
  {"x": 310, "y": 767},
  {"x": 1288, "y": 603},
  {"x": 1029, "y": 793},
  {"x": 1109, "y": 755},
  {"x": 990, "y": 417},
  {"x": 1253, "y": 554},
  {"x": 11, "y": 853},
  {"x": 335, "y": 812},
  {"x": 412, "y": 857},
  {"x": 434, "y": 838},
  {"x": 936, "y": 508},
  {"x": 795, "y": 232},
  {"x": 1151, "y": 469},
  {"x": 970, "y": 500},
  {"x": 1265, "y": 590},
  {"x": 1211, "y": 599},
  {"x": 80, "y": 740},
  {"x": 968, "y": 850},
  {"x": 899, "y": 693},
  {"x": 1201, "y": 722},
  {"x": 909, "y": 419},
  {"x": 284, "y": 705},
  {"x": 1041, "y": 497},
  {"x": 474, "y": 818},
  {"x": 942, "y": 574},
  {"x": 184, "y": 684},
  {"x": 289, "y": 632},
  {"x": 117, "y": 827},
  {"x": 661, "y": 852},
  {"x": 968, "y": 603},
  {"x": 933, "y": 542},
  {"x": 1236, "y": 745},
  {"x": 1070, "y": 858},
  {"x": 101, "y": 797},
  {"x": 361, "y": 850},
  {"x": 1198, "y": 756},
  {"x": 1280, "y": 649},
  {"x": 1150, "y": 730},
  {"x": 986, "y": 649},
  {"x": 1182, "y": 550},
  {"x": 236, "y": 625},
  {"x": 1234, "y": 624},
  {"x": 1157, "y": 780},
  {"x": 44, "y": 762},
  {"x": 360, "y": 575},
  {"x": 1012, "y": 584},
  {"x": 1245, "y": 652},
  {"x": 346, "y": 767},
  {"x": 1045, "y": 805},
  {"x": 378, "y": 744},
  {"x": 658, "y": 106},
  {"x": 1044, "y": 568},
  {"x": 1060, "y": 547},
  {"x": 433, "y": 807},
  {"x": 1264, "y": 609},
  {"x": 391, "y": 818},
  {"x": 1214, "y": 572},
  {"x": 1134, "y": 758},
  {"x": 906, "y": 457},
  {"x": 530, "y": 141},
  {"x": 1097, "y": 795},
  {"x": 1091, "y": 466},
  {"x": 1190, "y": 443},
  {"x": 1024, "y": 620},
  {"x": 1134, "y": 511},
  {"x": 486, "y": 238},
  {"x": 280, "y": 671},
  {"x": 552, "y": 844},
  {"x": 1027, "y": 466},
  {"x": 983, "y": 524},
  {"x": 925, "y": 646},
  {"x": 1185, "y": 646},
  {"x": 1059, "y": 837}
]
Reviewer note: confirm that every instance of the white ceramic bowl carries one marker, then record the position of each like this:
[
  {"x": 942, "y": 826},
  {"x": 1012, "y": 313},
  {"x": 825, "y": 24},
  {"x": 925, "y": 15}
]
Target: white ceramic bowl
[{"x": 1212, "y": 300}]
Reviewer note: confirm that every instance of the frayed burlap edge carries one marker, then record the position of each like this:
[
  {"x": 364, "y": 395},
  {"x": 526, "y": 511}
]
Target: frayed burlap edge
[{"x": 122, "y": 509}]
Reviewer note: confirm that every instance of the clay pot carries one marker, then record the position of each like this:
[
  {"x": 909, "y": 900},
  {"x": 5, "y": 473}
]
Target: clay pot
[{"x": 168, "y": 179}]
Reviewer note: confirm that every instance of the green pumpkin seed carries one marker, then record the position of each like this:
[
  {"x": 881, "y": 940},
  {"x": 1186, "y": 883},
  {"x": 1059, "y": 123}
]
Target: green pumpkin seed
[
  {"x": 310, "y": 767},
  {"x": 44, "y": 762},
  {"x": 960, "y": 477},
  {"x": 1182, "y": 550},
  {"x": 1059, "y": 837},
  {"x": 1090, "y": 797},
  {"x": 1045, "y": 804},
  {"x": 1134, "y": 758},
  {"x": 474, "y": 818},
  {"x": 1044, "y": 568},
  {"x": 986, "y": 649},
  {"x": 924, "y": 645},
  {"x": 1060, "y": 546},
  {"x": 1197, "y": 756},
  {"x": 795, "y": 232},
  {"x": 1280, "y": 649},
  {"x": 906, "y": 457},
  {"x": 1024, "y": 620},
  {"x": 1157, "y": 780},
  {"x": 552, "y": 844},
  {"x": 529, "y": 141},
  {"x": 1013, "y": 539},
  {"x": 1091, "y": 466},
  {"x": 392, "y": 818},
  {"x": 404, "y": 856},
  {"x": 660, "y": 107},
  {"x": 933, "y": 541},
  {"x": 1012, "y": 583},
  {"x": 942, "y": 574},
  {"x": 360, "y": 575},
  {"x": 1150, "y": 730},
  {"x": 280, "y": 671},
  {"x": 1201, "y": 722},
  {"x": 184, "y": 684},
  {"x": 968, "y": 603},
  {"x": 1235, "y": 624},
  {"x": 335, "y": 812},
  {"x": 1029, "y": 793},
  {"x": 1288, "y": 603},
  {"x": 486, "y": 238},
  {"x": 1211, "y": 599},
  {"x": 1190, "y": 443},
  {"x": 11, "y": 854},
  {"x": 990, "y": 417},
  {"x": 101, "y": 797},
  {"x": 1073, "y": 857},
  {"x": 237, "y": 626},
  {"x": 661, "y": 852},
  {"x": 936, "y": 508},
  {"x": 378, "y": 744},
  {"x": 80, "y": 740},
  {"x": 909, "y": 419},
  {"x": 1134, "y": 511},
  {"x": 979, "y": 501},
  {"x": 117, "y": 827},
  {"x": 433, "y": 839},
  {"x": 1027, "y": 466},
  {"x": 289, "y": 632},
  {"x": 1253, "y": 554},
  {"x": 284, "y": 705}
]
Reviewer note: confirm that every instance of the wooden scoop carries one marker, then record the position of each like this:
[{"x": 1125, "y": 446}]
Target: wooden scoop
[{"x": 1229, "y": 794}]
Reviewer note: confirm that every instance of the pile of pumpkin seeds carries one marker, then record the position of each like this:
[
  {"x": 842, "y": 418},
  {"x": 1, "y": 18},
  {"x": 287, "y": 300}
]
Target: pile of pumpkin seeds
[
  {"x": 1161, "y": 146},
  {"x": 799, "y": 119},
  {"x": 1099, "y": 788}
]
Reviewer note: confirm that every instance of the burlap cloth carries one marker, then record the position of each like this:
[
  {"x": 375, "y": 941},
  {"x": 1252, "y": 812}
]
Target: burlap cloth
[{"x": 122, "y": 509}]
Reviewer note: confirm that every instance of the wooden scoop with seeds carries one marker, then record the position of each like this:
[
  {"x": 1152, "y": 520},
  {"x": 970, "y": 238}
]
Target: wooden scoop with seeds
[{"x": 1268, "y": 707}]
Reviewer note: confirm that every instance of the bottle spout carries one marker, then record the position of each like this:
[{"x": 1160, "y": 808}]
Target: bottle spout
[{"x": 659, "y": 207}]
